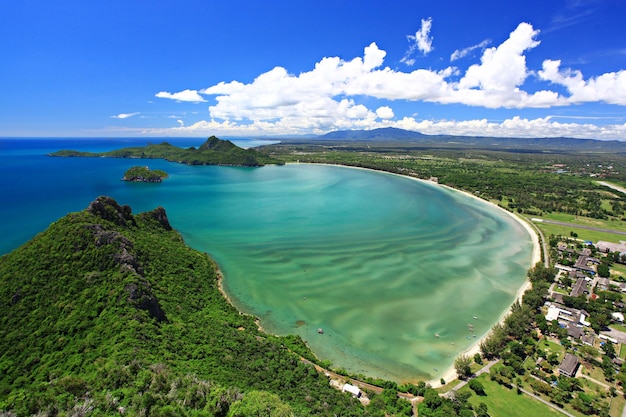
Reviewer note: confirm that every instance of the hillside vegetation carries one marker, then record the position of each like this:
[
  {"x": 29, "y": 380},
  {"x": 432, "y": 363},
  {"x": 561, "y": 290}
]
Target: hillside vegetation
[
  {"x": 108, "y": 312},
  {"x": 214, "y": 151}
]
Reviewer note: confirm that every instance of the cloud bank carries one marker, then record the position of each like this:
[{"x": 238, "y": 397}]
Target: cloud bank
[{"x": 325, "y": 98}]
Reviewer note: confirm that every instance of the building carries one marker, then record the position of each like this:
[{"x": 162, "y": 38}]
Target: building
[
  {"x": 567, "y": 315},
  {"x": 585, "y": 264},
  {"x": 569, "y": 366},
  {"x": 354, "y": 390},
  {"x": 603, "y": 284},
  {"x": 574, "y": 331},
  {"x": 579, "y": 288},
  {"x": 588, "y": 340},
  {"x": 609, "y": 247}
]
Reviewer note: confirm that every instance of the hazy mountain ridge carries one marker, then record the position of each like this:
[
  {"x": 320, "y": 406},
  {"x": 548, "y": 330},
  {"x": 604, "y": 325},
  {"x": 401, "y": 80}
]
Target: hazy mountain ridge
[{"x": 540, "y": 144}]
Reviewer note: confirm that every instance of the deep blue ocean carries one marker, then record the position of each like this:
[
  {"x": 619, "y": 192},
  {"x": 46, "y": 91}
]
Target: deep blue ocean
[
  {"x": 382, "y": 263},
  {"x": 37, "y": 189}
]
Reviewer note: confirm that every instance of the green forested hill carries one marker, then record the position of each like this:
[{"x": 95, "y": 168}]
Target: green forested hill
[
  {"x": 214, "y": 151},
  {"x": 107, "y": 311}
]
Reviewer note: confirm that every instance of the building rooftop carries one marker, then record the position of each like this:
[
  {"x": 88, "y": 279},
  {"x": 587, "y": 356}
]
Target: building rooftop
[
  {"x": 569, "y": 366},
  {"x": 580, "y": 287}
]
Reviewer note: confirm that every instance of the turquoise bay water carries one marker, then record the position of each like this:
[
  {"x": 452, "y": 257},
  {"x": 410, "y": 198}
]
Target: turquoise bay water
[{"x": 382, "y": 263}]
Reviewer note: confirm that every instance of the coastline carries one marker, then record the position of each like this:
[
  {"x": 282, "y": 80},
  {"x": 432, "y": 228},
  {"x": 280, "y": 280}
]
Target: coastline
[
  {"x": 220, "y": 286},
  {"x": 450, "y": 373}
]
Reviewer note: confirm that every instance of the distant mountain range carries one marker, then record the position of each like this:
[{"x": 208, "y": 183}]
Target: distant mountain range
[
  {"x": 385, "y": 133},
  {"x": 391, "y": 134}
]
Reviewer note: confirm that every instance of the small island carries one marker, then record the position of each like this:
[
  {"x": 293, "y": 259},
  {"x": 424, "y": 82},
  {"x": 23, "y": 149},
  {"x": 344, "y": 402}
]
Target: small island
[
  {"x": 144, "y": 174},
  {"x": 214, "y": 151}
]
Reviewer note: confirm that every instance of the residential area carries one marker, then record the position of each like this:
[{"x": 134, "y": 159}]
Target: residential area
[{"x": 573, "y": 360}]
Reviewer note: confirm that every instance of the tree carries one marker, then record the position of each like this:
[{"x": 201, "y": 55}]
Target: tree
[
  {"x": 478, "y": 359},
  {"x": 462, "y": 365},
  {"x": 608, "y": 349},
  {"x": 261, "y": 404},
  {"x": 477, "y": 387},
  {"x": 481, "y": 410},
  {"x": 604, "y": 270}
]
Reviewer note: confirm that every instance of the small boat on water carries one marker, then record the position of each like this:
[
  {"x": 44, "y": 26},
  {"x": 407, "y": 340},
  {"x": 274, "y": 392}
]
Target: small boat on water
[
  {"x": 475, "y": 317},
  {"x": 436, "y": 334},
  {"x": 320, "y": 330}
]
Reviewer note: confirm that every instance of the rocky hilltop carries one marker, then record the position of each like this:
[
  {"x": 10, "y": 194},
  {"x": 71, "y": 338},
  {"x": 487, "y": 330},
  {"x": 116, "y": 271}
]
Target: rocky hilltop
[{"x": 214, "y": 151}]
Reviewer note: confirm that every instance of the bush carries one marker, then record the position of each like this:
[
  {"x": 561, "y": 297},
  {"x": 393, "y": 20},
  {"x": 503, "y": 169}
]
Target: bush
[{"x": 477, "y": 387}]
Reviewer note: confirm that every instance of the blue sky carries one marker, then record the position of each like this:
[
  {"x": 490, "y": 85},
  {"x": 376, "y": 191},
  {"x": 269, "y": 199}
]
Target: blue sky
[{"x": 270, "y": 68}]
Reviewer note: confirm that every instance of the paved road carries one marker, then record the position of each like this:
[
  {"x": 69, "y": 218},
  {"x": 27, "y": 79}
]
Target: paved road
[
  {"x": 578, "y": 226},
  {"x": 615, "y": 334},
  {"x": 464, "y": 382},
  {"x": 548, "y": 403},
  {"x": 543, "y": 241},
  {"x": 615, "y": 187}
]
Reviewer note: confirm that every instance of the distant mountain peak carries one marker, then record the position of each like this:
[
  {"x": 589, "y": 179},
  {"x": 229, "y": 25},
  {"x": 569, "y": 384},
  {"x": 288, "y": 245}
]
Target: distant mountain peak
[{"x": 383, "y": 133}]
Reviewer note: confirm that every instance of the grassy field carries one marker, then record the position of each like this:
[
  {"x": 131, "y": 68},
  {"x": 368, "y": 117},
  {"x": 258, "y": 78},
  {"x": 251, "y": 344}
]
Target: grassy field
[
  {"x": 617, "y": 405},
  {"x": 617, "y": 326},
  {"x": 592, "y": 235},
  {"x": 618, "y": 270},
  {"x": 553, "y": 347},
  {"x": 504, "y": 402},
  {"x": 584, "y": 234}
]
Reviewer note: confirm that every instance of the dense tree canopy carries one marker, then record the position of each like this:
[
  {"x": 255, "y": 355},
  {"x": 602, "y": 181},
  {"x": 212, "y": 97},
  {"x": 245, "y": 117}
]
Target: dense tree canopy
[{"x": 107, "y": 309}]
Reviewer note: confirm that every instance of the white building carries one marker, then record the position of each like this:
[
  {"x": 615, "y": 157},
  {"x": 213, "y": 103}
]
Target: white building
[{"x": 355, "y": 391}]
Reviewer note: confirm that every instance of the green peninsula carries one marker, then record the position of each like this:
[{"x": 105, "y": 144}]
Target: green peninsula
[
  {"x": 214, "y": 151},
  {"x": 110, "y": 313},
  {"x": 144, "y": 174}
]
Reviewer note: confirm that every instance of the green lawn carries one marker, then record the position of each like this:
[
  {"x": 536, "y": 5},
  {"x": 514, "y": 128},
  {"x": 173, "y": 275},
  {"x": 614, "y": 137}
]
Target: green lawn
[
  {"x": 619, "y": 269},
  {"x": 619, "y": 327},
  {"x": 554, "y": 229},
  {"x": 552, "y": 347},
  {"x": 586, "y": 221},
  {"x": 617, "y": 405},
  {"x": 596, "y": 373},
  {"x": 504, "y": 402}
]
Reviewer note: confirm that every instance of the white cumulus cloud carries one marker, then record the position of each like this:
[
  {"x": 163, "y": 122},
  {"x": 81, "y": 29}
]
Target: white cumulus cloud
[
  {"x": 512, "y": 127},
  {"x": 185, "y": 95},
  {"x": 385, "y": 112},
  {"x": 327, "y": 96},
  {"x": 609, "y": 87}
]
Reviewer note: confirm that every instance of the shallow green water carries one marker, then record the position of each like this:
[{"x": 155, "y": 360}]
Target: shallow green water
[{"x": 381, "y": 263}]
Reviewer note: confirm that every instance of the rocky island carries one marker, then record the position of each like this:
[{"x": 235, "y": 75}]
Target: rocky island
[
  {"x": 144, "y": 174},
  {"x": 214, "y": 151}
]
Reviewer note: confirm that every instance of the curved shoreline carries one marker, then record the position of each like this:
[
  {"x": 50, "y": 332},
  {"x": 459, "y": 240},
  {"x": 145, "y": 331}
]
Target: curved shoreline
[{"x": 450, "y": 373}]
